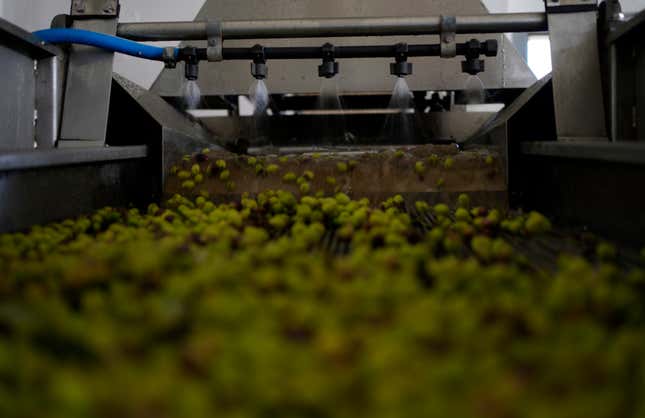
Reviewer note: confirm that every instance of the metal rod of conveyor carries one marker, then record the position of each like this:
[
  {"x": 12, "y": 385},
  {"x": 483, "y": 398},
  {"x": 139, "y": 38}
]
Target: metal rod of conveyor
[{"x": 316, "y": 28}]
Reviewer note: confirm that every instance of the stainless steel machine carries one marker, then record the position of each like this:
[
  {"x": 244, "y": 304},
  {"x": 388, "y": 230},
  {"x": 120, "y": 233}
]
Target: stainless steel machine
[{"x": 75, "y": 136}]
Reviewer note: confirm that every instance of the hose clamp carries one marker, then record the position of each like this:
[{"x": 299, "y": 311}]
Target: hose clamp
[
  {"x": 448, "y": 28},
  {"x": 215, "y": 40},
  {"x": 169, "y": 57}
]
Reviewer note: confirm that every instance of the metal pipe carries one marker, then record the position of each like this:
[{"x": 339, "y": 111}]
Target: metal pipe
[
  {"x": 488, "y": 48},
  {"x": 340, "y": 52},
  {"x": 316, "y": 28}
]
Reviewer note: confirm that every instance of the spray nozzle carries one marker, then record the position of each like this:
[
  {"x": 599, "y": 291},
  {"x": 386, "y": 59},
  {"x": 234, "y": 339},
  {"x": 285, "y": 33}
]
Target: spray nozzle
[
  {"x": 329, "y": 67},
  {"x": 190, "y": 56},
  {"x": 401, "y": 67},
  {"x": 259, "y": 69},
  {"x": 473, "y": 65}
]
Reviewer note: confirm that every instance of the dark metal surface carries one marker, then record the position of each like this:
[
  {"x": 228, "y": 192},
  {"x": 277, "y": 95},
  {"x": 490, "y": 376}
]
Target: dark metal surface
[
  {"x": 602, "y": 197},
  {"x": 42, "y": 195},
  {"x": 488, "y": 48},
  {"x": 626, "y": 28},
  {"x": 628, "y": 153},
  {"x": 311, "y": 28},
  {"x": 629, "y": 82}
]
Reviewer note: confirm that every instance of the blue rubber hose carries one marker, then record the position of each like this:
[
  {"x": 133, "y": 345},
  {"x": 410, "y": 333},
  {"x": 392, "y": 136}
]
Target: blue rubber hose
[{"x": 103, "y": 41}]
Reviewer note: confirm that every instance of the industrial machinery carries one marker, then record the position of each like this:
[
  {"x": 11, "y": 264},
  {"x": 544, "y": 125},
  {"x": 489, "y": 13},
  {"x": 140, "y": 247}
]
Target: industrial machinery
[
  {"x": 364, "y": 234},
  {"x": 76, "y": 136}
]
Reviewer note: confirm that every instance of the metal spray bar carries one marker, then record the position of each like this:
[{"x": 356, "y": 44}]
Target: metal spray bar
[
  {"x": 345, "y": 27},
  {"x": 488, "y": 48}
]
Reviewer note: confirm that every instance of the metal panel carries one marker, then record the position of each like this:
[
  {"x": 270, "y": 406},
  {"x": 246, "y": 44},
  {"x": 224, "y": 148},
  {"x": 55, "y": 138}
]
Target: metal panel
[
  {"x": 87, "y": 94},
  {"x": 578, "y": 96},
  {"x": 17, "y": 100},
  {"x": 578, "y": 190},
  {"x": 597, "y": 151},
  {"x": 49, "y": 194},
  {"x": 361, "y": 75},
  {"x": 49, "y": 97}
]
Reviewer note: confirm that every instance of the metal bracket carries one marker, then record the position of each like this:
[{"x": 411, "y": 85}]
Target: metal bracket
[
  {"x": 448, "y": 36},
  {"x": 169, "y": 57},
  {"x": 85, "y": 9},
  {"x": 215, "y": 40}
]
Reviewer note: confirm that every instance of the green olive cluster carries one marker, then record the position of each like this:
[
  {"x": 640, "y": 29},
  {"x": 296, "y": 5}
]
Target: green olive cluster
[{"x": 284, "y": 306}]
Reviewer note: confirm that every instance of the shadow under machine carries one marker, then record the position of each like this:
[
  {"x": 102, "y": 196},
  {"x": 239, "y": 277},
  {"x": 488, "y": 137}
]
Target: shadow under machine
[{"x": 76, "y": 136}]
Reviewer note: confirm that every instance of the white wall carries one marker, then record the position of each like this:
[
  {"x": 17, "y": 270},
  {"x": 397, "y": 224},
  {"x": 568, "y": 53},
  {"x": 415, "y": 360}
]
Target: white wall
[
  {"x": 633, "y": 6},
  {"x": 514, "y": 6}
]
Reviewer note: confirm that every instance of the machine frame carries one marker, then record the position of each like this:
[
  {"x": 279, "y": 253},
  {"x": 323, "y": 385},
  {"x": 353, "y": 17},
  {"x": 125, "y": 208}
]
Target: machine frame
[{"x": 78, "y": 152}]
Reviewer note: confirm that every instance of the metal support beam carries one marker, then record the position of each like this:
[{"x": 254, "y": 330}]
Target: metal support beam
[
  {"x": 342, "y": 27},
  {"x": 577, "y": 86},
  {"x": 89, "y": 76},
  {"x": 25, "y": 86}
]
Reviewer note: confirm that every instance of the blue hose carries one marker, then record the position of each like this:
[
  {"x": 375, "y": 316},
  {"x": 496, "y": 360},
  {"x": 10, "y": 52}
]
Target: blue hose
[{"x": 103, "y": 41}]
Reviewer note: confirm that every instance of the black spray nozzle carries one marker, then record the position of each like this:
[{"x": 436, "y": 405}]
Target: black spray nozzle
[
  {"x": 474, "y": 49},
  {"x": 329, "y": 67},
  {"x": 401, "y": 67},
  {"x": 190, "y": 56},
  {"x": 259, "y": 68}
]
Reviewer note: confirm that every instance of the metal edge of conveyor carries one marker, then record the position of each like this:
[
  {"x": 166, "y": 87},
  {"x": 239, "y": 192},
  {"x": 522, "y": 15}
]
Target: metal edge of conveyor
[
  {"x": 25, "y": 42},
  {"x": 628, "y": 153},
  {"x": 25, "y": 160}
]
